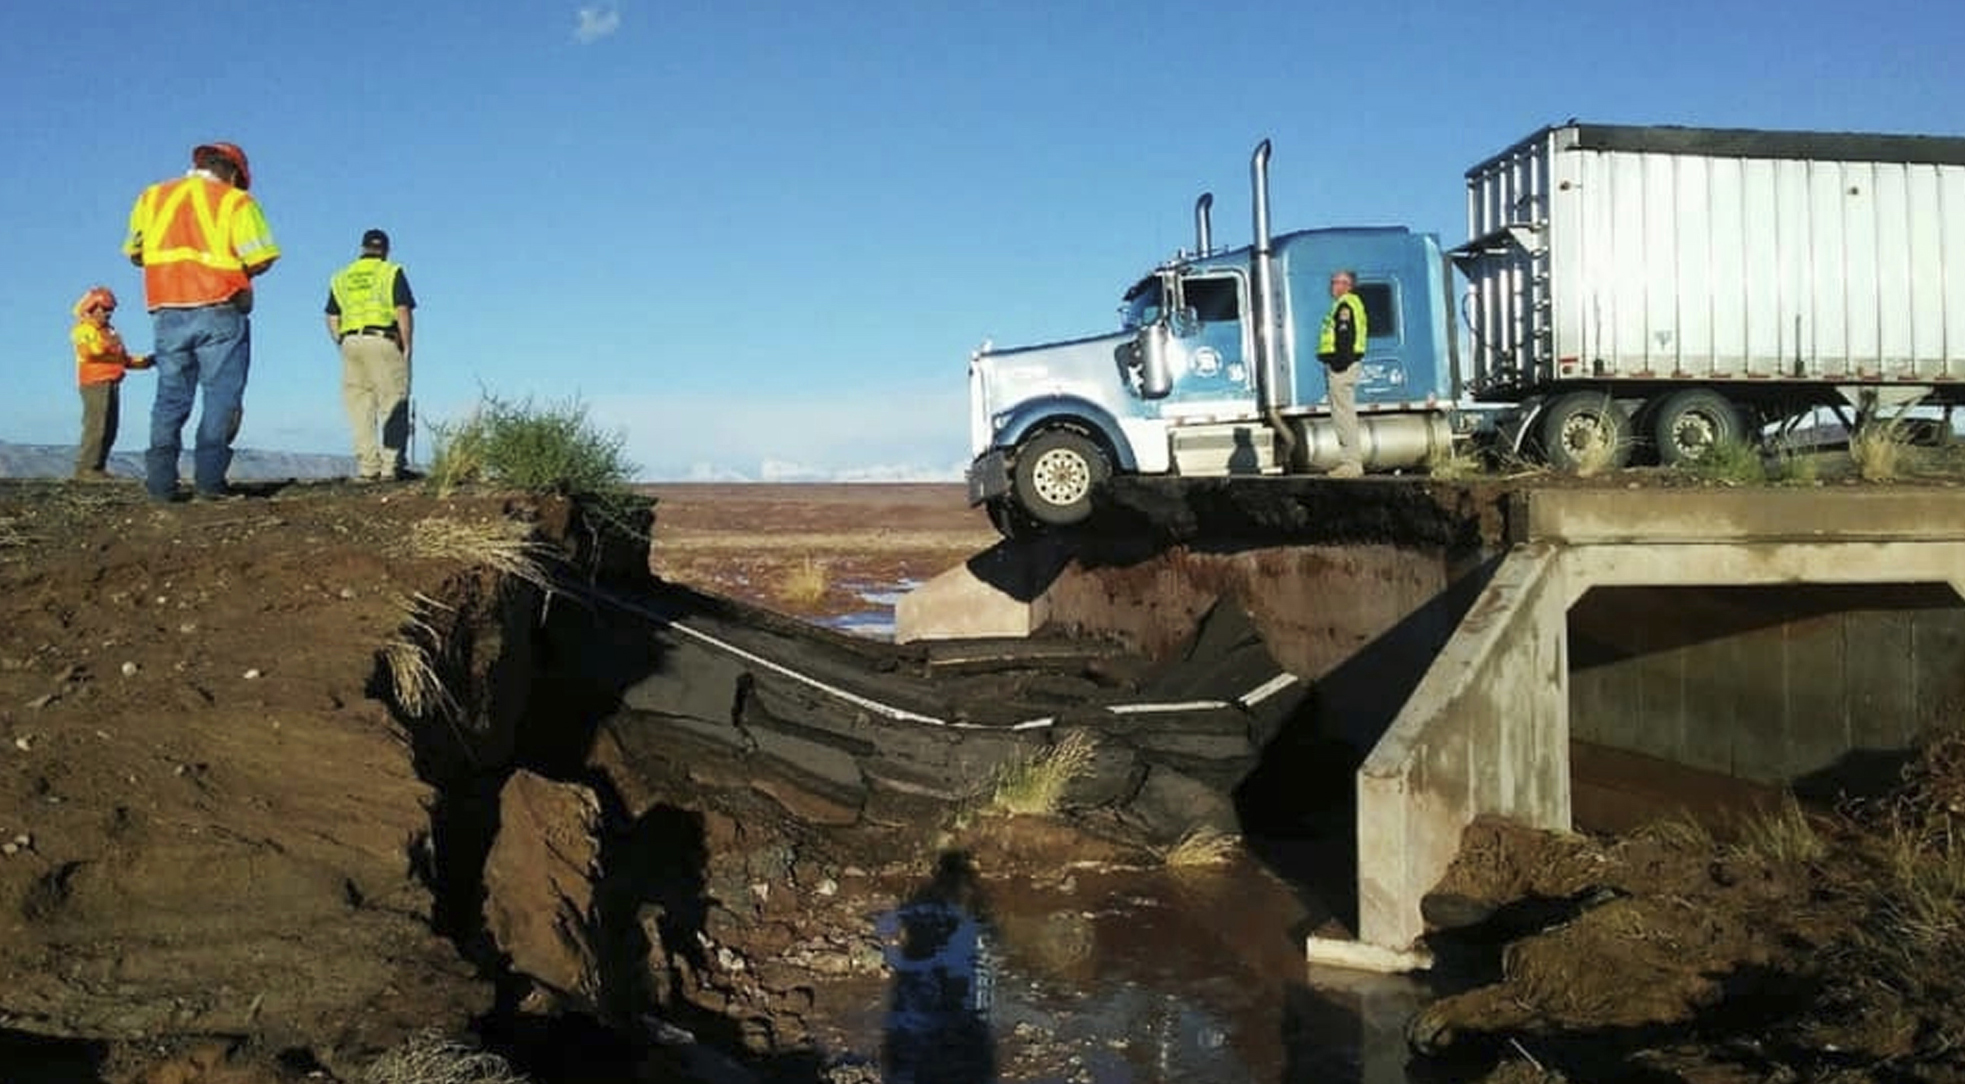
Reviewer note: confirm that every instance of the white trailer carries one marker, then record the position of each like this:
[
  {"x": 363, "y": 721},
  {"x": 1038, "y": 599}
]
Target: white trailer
[{"x": 1673, "y": 287}]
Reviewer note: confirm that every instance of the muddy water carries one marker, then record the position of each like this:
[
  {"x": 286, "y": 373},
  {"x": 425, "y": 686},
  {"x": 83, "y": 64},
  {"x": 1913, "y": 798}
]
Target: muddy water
[{"x": 1122, "y": 977}]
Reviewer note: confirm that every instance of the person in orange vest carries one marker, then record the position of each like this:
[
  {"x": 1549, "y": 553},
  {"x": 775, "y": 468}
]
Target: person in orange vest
[
  {"x": 100, "y": 361},
  {"x": 201, "y": 240}
]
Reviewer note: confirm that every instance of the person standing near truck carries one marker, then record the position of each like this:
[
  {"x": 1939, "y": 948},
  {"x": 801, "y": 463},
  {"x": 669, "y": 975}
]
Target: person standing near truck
[
  {"x": 369, "y": 309},
  {"x": 100, "y": 362},
  {"x": 1340, "y": 346},
  {"x": 201, "y": 240}
]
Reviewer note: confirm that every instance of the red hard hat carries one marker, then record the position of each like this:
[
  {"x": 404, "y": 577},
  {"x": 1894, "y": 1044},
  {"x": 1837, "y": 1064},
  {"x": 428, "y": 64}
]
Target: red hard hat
[
  {"x": 98, "y": 297},
  {"x": 231, "y": 153}
]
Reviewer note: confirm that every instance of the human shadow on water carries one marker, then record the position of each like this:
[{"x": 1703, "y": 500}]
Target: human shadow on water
[{"x": 937, "y": 1028}]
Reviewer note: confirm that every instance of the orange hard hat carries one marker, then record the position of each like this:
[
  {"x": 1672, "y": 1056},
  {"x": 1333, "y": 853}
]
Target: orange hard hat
[
  {"x": 98, "y": 297},
  {"x": 231, "y": 153}
]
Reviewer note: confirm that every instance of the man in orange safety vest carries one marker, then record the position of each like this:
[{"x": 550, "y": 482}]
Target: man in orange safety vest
[{"x": 200, "y": 239}]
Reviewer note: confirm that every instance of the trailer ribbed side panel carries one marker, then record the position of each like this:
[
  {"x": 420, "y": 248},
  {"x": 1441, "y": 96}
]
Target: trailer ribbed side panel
[{"x": 1620, "y": 253}]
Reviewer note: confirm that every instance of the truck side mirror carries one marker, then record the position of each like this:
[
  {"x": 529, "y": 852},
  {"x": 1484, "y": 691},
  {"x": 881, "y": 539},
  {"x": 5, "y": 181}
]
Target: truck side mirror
[{"x": 1154, "y": 346}]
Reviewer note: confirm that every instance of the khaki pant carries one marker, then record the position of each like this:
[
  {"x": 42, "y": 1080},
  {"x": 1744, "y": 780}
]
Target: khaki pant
[
  {"x": 101, "y": 412},
  {"x": 1344, "y": 413},
  {"x": 375, "y": 391}
]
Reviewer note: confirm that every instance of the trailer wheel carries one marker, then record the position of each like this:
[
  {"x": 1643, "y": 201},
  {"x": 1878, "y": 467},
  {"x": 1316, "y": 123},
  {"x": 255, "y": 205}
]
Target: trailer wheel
[
  {"x": 1687, "y": 425},
  {"x": 1585, "y": 432},
  {"x": 1055, "y": 474}
]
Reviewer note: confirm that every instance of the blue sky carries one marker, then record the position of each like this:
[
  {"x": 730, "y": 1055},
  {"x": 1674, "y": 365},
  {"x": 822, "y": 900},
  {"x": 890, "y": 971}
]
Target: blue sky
[{"x": 747, "y": 233}]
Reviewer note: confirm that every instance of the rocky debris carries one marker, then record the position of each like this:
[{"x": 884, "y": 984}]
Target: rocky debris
[{"x": 539, "y": 886}]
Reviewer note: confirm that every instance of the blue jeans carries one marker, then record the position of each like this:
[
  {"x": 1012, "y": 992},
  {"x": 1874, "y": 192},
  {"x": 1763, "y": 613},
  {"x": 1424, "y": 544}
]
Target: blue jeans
[{"x": 209, "y": 348}]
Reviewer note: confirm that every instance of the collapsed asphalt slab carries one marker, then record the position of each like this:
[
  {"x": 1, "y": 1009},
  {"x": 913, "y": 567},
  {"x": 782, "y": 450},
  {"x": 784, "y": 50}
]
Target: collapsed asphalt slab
[{"x": 836, "y": 722}]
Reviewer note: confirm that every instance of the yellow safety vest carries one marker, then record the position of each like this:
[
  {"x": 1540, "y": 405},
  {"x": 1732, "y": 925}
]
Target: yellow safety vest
[
  {"x": 1327, "y": 340},
  {"x": 366, "y": 292}
]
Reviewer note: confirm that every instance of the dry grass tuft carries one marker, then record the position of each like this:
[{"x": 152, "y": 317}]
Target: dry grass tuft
[
  {"x": 410, "y": 657},
  {"x": 1034, "y": 785},
  {"x": 419, "y": 691},
  {"x": 503, "y": 545},
  {"x": 10, "y": 533},
  {"x": 1783, "y": 834},
  {"x": 430, "y": 1058},
  {"x": 1793, "y": 466},
  {"x": 1881, "y": 449},
  {"x": 1456, "y": 463},
  {"x": 805, "y": 583},
  {"x": 1923, "y": 899},
  {"x": 1680, "y": 832},
  {"x": 1202, "y": 848}
]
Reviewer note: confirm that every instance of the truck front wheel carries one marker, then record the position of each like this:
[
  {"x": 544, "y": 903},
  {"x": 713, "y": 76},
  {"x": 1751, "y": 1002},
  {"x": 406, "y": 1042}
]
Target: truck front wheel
[{"x": 1055, "y": 474}]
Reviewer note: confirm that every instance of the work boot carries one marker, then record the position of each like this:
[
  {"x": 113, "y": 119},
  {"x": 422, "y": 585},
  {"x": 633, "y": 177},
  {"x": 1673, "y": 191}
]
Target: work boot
[
  {"x": 1347, "y": 470},
  {"x": 94, "y": 475}
]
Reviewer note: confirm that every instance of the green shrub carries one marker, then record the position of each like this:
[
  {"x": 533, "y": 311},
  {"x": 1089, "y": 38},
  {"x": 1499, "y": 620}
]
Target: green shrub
[
  {"x": 552, "y": 448},
  {"x": 1728, "y": 462}
]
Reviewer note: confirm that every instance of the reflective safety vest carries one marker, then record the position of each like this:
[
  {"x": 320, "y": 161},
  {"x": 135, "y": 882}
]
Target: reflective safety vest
[
  {"x": 99, "y": 354},
  {"x": 1327, "y": 339},
  {"x": 196, "y": 235},
  {"x": 366, "y": 292}
]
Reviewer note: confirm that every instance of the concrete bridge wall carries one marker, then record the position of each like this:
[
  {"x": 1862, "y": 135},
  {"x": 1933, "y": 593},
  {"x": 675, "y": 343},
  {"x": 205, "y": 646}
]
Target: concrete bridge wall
[
  {"x": 1484, "y": 717},
  {"x": 1486, "y": 732}
]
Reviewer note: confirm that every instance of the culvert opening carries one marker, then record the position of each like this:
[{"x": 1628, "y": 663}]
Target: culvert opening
[{"x": 1714, "y": 701}]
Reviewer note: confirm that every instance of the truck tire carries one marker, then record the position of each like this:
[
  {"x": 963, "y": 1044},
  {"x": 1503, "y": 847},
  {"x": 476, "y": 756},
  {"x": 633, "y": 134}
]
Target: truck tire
[
  {"x": 1584, "y": 432},
  {"x": 1055, "y": 474},
  {"x": 1688, "y": 424}
]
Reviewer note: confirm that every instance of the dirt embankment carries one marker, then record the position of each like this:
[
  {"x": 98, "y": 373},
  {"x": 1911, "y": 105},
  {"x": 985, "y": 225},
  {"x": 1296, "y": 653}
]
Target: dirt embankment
[
  {"x": 213, "y": 827},
  {"x": 1797, "y": 946}
]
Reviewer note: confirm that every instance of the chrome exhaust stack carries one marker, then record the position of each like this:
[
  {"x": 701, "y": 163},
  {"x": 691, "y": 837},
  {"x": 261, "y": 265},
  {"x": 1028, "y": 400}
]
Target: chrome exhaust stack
[
  {"x": 1204, "y": 224},
  {"x": 1262, "y": 306},
  {"x": 1262, "y": 300}
]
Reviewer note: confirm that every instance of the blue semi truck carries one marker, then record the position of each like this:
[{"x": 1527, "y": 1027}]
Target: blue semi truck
[{"x": 1622, "y": 290}]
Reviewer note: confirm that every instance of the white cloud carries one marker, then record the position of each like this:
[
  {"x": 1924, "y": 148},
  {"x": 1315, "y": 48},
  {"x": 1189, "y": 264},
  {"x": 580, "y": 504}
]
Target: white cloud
[{"x": 596, "y": 23}]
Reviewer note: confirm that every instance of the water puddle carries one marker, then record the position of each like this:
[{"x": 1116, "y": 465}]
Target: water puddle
[
  {"x": 876, "y": 621},
  {"x": 1122, "y": 977}
]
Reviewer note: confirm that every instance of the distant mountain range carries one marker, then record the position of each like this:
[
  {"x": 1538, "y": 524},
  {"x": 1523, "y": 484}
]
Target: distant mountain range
[{"x": 248, "y": 464}]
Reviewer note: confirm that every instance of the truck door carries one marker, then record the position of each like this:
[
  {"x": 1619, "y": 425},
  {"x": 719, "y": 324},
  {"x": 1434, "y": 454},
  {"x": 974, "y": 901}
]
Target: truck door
[{"x": 1217, "y": 349}]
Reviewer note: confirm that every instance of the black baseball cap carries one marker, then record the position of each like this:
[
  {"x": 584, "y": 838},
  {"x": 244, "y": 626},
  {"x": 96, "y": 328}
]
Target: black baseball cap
[{"x": 375, "y": 239}]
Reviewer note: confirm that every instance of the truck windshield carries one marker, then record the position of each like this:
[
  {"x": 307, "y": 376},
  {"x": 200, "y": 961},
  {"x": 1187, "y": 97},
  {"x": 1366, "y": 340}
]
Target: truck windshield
[{"x": 1142, "y": 305}]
